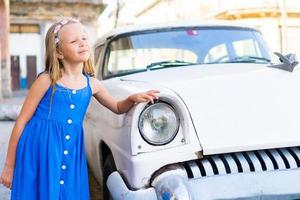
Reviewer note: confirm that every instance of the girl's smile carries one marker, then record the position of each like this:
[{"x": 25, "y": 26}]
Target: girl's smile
[{"x": 84, "y": 51}]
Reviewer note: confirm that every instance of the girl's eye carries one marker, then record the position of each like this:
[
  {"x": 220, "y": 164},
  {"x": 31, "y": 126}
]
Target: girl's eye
[
  {"x": 73, "y": 41},
  {"x": 83, "y": 38}
]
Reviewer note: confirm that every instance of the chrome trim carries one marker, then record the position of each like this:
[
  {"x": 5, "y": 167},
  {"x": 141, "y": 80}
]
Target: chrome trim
[{"x": 244, "y": 162}]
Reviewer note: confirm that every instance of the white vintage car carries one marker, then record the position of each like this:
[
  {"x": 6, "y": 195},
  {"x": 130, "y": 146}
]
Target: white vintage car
[{"x": 226, "y": 125}]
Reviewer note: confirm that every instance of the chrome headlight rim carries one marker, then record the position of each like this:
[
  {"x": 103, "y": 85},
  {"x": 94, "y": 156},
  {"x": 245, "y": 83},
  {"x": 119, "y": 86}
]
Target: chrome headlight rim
[{"x": 153, "y": 143}]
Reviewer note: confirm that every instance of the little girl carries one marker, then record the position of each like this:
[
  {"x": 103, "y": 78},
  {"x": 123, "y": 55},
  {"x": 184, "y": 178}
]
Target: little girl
[{"x": 46, "y": 156}]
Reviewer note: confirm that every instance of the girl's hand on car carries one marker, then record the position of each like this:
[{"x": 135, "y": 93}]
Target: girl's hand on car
[{"x": 150, "y": 95}]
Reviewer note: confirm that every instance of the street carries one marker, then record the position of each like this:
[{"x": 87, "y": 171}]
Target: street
[{"x": 6, "y": 128}]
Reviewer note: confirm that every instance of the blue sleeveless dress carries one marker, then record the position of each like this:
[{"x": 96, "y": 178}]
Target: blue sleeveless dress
[{"x": 50, "y": 158}]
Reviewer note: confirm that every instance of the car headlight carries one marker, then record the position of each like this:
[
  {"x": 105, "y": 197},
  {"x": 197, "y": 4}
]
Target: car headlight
[{"x": 158, "y": 123}]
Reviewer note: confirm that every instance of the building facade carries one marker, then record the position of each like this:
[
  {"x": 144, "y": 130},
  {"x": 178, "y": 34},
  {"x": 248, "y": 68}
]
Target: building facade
[{"x": 29, "y": 22}]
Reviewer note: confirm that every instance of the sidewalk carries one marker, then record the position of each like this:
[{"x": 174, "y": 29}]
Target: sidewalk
[{"x": 10, "y": 107}]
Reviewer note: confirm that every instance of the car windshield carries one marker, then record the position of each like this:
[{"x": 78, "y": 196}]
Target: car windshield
[{"x": 183, "y": 47}]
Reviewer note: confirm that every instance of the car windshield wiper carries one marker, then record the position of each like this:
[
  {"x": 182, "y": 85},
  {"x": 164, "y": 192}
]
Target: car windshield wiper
[
  {"x": 168, "y": 63},
  {"x": 247, "y": 59}
]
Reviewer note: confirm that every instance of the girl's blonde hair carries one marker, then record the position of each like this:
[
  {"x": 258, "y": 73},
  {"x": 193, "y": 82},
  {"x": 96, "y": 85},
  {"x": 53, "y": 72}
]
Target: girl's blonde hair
[{"x": 54, "y": 66}]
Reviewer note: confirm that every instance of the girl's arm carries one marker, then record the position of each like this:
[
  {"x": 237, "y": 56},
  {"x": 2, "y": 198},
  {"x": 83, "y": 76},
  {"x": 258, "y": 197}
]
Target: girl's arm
[
  {"x": 119, "y": 107},
  {"x": 36, "y": 92}
]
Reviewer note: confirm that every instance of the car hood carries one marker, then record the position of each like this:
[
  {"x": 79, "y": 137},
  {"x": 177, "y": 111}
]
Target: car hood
[{"x": 236, "y": 107}]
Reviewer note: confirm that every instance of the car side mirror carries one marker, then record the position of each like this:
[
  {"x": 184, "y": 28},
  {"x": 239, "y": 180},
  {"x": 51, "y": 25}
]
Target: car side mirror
[{"x": 288, "y": 62}]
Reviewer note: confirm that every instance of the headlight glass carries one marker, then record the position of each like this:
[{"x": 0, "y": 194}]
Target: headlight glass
[{"x": 158, "y": 123}]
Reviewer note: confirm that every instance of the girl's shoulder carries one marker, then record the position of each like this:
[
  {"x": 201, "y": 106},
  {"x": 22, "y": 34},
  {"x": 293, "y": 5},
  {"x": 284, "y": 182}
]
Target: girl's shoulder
[
  {"x": 95, "y": 81},
  {"x": 96, "y": 84},
  {"x": 44, "y": 74},
  {"x": 92, "y": 78},
  {"x": 39, "y": 87},
  {"x": 43, "y": 81}
]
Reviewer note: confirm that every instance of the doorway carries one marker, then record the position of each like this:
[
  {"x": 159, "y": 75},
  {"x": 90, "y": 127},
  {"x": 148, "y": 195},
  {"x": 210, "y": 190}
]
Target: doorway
[
  {"x": 15, "y": 72},
  {"x": 31, "y": 70}
]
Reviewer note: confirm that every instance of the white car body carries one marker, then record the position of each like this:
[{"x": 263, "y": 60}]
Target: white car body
[{"x": 224, "y": 109}]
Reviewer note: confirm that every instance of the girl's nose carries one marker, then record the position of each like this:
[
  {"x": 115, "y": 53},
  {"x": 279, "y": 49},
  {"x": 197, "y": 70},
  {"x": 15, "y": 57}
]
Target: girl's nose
[{"x": 82, "y": 42}]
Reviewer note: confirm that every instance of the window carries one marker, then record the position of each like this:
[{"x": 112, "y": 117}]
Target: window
[
  {"x": 98, "y": 58},
  {"x": 216, "y": 53},
  {"x": 137, "y": 59},
  {"x": 246, "y": 47}
]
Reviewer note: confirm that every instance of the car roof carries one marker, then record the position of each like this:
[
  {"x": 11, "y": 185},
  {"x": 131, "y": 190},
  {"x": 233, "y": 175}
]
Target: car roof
[{"x": 177, "y": 24}]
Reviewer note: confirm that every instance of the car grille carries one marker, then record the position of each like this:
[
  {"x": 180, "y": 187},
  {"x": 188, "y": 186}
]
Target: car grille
[{"x": 244, "y": 162}]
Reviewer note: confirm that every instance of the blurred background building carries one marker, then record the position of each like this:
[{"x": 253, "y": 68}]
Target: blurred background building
[
  {"x": 23, "y": 49},
  {"x": 26, "y": 22},
  {"x": 278, "y": 20}
]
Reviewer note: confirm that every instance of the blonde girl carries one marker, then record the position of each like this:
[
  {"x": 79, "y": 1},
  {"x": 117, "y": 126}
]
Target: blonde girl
[{"x": 46, "y": 156}]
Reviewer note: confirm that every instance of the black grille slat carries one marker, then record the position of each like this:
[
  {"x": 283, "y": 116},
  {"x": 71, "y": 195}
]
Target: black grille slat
[
  {"x": 188, "y": 170},
  {"x": 296, "y": 158},
  {"x": 213, "y": 164},
  {"x": 286, "y": 162},
  {"x": 262, "y": 162},
  {"x": 226, "y": 165},
  {"x": 237, "y": 162},
  {"x": 201, "y": 167},
  {"x": 249, "y": 161},
  {"x": 272, "y": 159}
]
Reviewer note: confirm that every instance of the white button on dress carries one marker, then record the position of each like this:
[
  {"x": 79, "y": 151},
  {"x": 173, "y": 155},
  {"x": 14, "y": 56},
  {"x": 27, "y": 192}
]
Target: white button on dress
[
  {"x": 66, "y": 152},
  {"x": 68, "y": 137},
  {"x": 61, "y": 182},
  {"x": 74, "y": 91},
  {"x": 63, "y": 167},
  {"x": 72, "y": 106},
  {"x": 69, "y": 121}
]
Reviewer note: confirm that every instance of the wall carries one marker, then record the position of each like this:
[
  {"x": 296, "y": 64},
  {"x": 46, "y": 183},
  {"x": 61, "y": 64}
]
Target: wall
[{"x": 5, "y": 88}]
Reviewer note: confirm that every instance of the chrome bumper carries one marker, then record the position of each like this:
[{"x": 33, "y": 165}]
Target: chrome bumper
[
  {"x": 281, "y": 184},
  {"x": 119, "y": 190}
]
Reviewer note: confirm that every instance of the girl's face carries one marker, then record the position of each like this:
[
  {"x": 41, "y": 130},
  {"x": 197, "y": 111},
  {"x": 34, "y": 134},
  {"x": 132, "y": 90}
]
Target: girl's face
[{"x": 74, "y": 47}]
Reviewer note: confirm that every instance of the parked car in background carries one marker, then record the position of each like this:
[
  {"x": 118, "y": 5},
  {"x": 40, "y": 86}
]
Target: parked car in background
[{"x": 226, "y": 125}]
